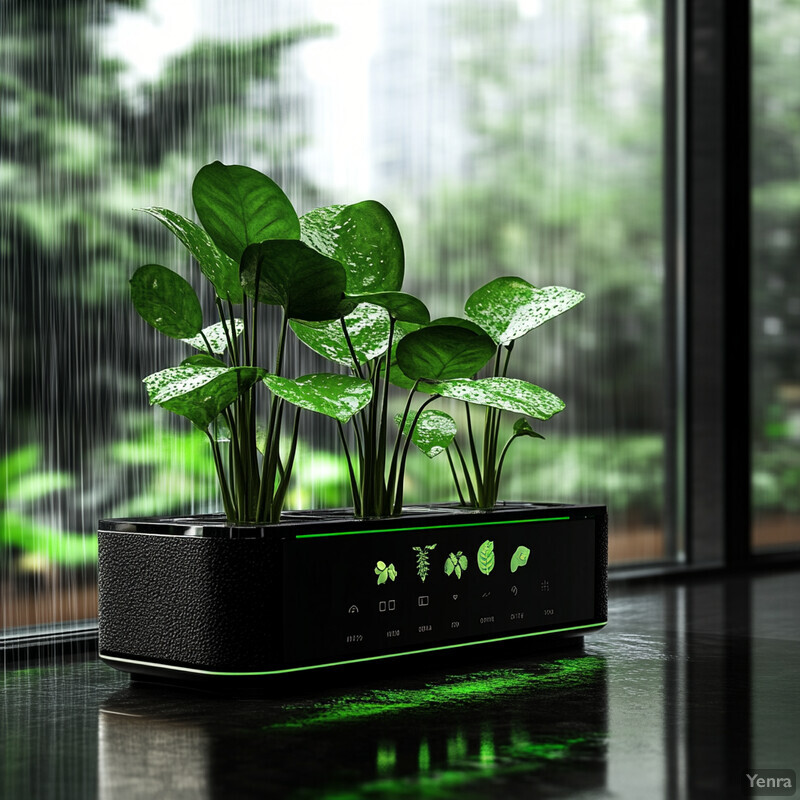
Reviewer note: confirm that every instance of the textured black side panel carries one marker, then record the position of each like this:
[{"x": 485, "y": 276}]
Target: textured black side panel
[
  {"x": 213, "y": 604},
  {"x": 601, "y": 557}
]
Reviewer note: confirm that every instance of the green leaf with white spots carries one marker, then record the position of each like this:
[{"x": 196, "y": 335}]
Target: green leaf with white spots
[
  {"x": 215, "y": 334},
  {"x": 166, "y": 301},
  {"x": 443, "y": 352},
  {"x": 507, "y": 308},
  {"x": 337, "y": 396},
  {"x": 364, "y": 238},
  {"x": 508, "y": 394},
  {"x": 219, "y": 268},
  {"x": 199, "y": 393},
  {"x": 433, "y": 432},
  {"x": 239, "y": 206},
  {"x": 203, "y": 360},
  {"x": 367, "y": 327}
]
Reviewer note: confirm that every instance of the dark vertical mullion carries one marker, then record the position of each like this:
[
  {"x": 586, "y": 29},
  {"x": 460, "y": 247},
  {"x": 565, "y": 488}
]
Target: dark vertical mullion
[
  {"x": 718, "y": 260},
  {"x": 738, "y": 66},
  {"x": 673, "y": 233}
]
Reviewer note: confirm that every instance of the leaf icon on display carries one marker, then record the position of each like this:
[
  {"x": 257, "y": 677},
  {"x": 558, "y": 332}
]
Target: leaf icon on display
[
  {"x": 520, "y": 557},
  {"x": 455, "y": 563},
  {"x": 486, "y": 557},
  {"x": 385, "y": 572}
]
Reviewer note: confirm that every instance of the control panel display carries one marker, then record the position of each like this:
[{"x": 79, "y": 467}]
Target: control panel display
[{"x": 354, "y": 595}]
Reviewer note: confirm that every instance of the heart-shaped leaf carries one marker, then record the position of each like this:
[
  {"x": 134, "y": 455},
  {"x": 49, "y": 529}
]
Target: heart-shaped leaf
[
  {"x": 215, "y": 335},
  {"x": 400, "y": 305},
  {"x": 522, "y": 428},
  {"x": 508, "y": 394},
  {"x": 433, "y": 432},
  {"x": 290, "y": 274},
  {"x": 337, "y": 396},
  {"x": 443, "y": 352},
  {"x": 220, "y": 269},
  {"x": 367, "y": 327},
  {"x": 199, "y": 393},
  {"x": 166, "y": 301},
  {"x": 507, "y": 308},
  {"x": 366, "y": 240},
  {"x": 239, "y": 206}
]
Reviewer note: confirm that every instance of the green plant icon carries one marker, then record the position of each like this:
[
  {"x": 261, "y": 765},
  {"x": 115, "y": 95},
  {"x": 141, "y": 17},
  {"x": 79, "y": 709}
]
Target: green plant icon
[
  {"x": 486, "y": 557},
  {"x": 423, "y": 561},
  {"x": 456, "y": 562},
  {"x": 383, "y": 572},
  {"x": 520, "y": 557}
]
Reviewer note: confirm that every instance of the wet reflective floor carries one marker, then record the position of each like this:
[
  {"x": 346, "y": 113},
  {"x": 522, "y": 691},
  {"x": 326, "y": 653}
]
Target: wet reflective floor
[{"x": 689, "y": 688}]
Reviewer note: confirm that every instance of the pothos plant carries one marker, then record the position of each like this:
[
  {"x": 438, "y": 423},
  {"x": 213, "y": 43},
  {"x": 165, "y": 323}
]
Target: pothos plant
[{"x": 332, "y": 277}]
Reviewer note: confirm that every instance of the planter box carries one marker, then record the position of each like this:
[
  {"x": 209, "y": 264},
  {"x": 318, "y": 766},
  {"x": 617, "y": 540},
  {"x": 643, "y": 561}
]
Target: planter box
[{"x": 193, "y": 597}]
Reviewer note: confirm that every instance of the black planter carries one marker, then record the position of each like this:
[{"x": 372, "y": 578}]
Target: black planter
[{"x": 195, "y": 598}]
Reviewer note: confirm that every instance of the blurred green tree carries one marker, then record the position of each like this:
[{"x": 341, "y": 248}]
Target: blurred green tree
[
  {"x": 563, "y": 186},
  {"x": 78, "y": 152}
]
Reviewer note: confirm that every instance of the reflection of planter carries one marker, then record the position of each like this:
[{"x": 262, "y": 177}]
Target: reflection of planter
[{"x": 193, "y": 597}]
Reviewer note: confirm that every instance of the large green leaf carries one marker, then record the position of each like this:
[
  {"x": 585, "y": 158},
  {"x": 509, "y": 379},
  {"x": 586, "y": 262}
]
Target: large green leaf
[
  {"x": 507, "y": 308},
  {"x": 215, "y": 336},
  {"x": 443, "y": 352},
  {"x": 365, "y": 238},
  {"x": 337, "y": 396},
  {"x": 239, "y": 206},
  {"x": 433, "y": 432},
  {"x": 166, "y": 301},
  {"x": 220, "y": 269},
  {"x": 508, "y": 394},
  {"x": 400, "y": 305},
  {"x": 367, "y": 327},
  {"x": 199, "y": 393},
  {"x": 288, "y": 273}
]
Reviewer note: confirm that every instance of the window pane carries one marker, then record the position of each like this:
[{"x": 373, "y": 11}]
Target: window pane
[
  {"x": 775, "y": 274},
  {"x": 508, "y": 137}
]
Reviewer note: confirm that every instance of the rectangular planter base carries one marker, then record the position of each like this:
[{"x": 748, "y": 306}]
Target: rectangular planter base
[{"x": 194, "y": 598}]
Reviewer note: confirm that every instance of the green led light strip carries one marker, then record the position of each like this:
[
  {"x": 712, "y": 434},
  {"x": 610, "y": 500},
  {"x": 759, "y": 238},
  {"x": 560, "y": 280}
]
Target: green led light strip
[
  {"x": 432, "y": 527},
  {"x": 348, "y": 661}
]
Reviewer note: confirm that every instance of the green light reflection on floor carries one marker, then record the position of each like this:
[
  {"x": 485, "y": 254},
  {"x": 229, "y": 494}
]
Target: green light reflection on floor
[{"x": 460, "y": 689}]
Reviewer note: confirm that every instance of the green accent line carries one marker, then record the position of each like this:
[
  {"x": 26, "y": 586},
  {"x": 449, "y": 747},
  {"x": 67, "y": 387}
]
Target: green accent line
[
  {"x": 352, "y": 660},
  {"x": 433, "y": 527}
]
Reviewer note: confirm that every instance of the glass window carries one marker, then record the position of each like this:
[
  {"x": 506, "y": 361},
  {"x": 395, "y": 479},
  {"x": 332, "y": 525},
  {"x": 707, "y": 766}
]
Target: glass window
[
  {"x": 775, "y": 274},
  {"x": 508, "y": 137}
]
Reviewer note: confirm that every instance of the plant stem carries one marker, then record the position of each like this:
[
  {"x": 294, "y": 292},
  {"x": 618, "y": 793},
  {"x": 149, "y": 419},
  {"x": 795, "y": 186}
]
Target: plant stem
[
  {"x": 474, "y": 452},
  {"x": 230, "y": 334},
  {"x": 455, "y": 476},
  {"x": 230, "y": 511},
  {"x": 473, "y": 498},
  {"x": 353, "y": 482},
  {"x": 392, "y": 482},
  {"x": 398, "y": 501},
  {"x": 286, "y": 473},
  {"x": 502, "y": 459}
]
